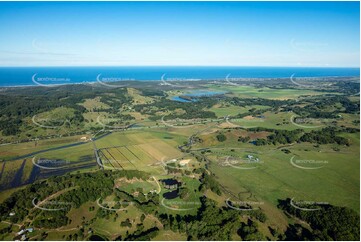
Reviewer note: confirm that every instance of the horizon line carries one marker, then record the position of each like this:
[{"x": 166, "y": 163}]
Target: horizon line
[{"x": 358, "y": 67}]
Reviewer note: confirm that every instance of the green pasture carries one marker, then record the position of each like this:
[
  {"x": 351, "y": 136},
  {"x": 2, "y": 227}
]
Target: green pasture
[
  {"x": 248, "y": 91},
  {"x": 336, "y": 182}
]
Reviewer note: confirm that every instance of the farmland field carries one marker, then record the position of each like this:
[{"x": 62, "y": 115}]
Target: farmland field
[
  {"x": 242, "y": 153},
  {"x": 180, "y": 121}
]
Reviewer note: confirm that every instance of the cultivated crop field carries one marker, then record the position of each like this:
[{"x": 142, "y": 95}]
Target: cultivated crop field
[
  {"x": 182, "y": 121},
  {"x": 127, "y": 158},
  {"x": 137, "y": 150},
  {"x": 236, "y": 150}
]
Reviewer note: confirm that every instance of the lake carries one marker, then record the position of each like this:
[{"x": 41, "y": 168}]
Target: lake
[{"x": 197, "y": 93}]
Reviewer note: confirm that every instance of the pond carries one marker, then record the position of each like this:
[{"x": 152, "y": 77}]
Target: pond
[
  {"x": 200, "y": 93},
  {"x": 171, "y": 195},
  {"x": 170, "y": 182},
  {"x": 96, "y": 237},
  {"x": 179, "y": 99}
]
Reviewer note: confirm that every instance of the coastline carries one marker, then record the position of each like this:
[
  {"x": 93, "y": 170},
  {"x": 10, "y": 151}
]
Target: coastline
[{"x": 175, "y": 80}]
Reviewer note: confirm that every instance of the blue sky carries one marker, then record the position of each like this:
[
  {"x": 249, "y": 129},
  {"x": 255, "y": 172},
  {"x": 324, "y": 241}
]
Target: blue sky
[{"x": 180, "y": 33}]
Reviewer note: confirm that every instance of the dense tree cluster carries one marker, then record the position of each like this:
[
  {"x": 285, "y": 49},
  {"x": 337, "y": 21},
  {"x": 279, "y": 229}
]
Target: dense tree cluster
[
  {"x": 210, "y": 223},
  {"x": 152, "y": 92},
  {"x": 327, "y": 135},
  {"x": 80, "y": 188},
  {"x": 334, "y": 104},
  {"x": 250, "y": 232},
  {"x": 209, "y": 182},
  {"x": 328, "y": 223},
  {"x": 243, "y": 102},
  {"x": 191, "y": 110},
  {"x": 142, "y": 235},
  {"x": 19, "y": 103}
]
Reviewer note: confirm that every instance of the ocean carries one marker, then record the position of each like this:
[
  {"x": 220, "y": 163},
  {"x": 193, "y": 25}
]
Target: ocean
[{"x": 23, "y": 76}]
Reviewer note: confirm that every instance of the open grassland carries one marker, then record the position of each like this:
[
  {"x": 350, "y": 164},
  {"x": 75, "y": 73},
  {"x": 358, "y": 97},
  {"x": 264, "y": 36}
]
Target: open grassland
[
  {"x": 131, "y": 186},
  {"x": 276, "y": 178},
  {"x": 138, "y": 117},
  {"x": 276, "y": 120},
  {"x": 111, "y": 228},
  {"x": 18, "y": 172},
  {"x": 59, "y": 121},
  {"x": 15, "y": 173},
  {"x": 92, "y": 119},
  {"x": 245, "y": 173},
  {"x": 172, "y": 136},
  {"x": 95, "y": 103},
  {"x": 94, "y": 113},
  {"x": 349, "y": 120},
  {"x": 7, "y": 193},
  {"x": 180, "y": 134},
  {"x": 108, "y": 227},
  {"x": 139, "y": 99},
  {"x": 231, "y": 110},
  {"x": 79, "y": 153},
  {"x": 9, "y": 151},
  {"x": 168, "y": 235},
  {"x": 209, "y": 139},
  {"x": 247, "y": 91}
]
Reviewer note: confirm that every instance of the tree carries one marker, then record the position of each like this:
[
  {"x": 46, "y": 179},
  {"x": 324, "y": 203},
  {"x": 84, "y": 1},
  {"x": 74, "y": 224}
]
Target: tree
[{"x": 221, "y": 137}]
